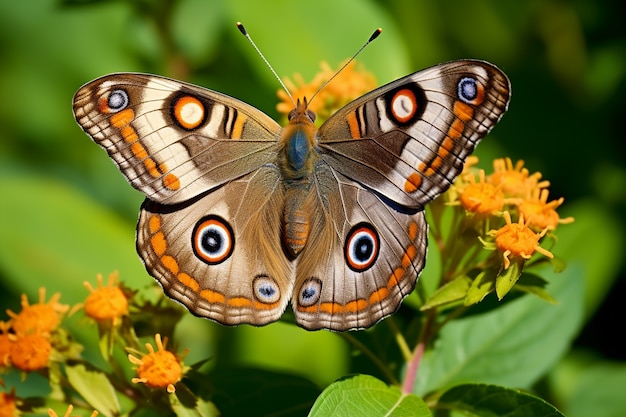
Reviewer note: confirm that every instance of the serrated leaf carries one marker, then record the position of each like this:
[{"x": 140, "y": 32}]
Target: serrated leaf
[
  {"x": 364, "y": 395},
  {"x": 451, "y": 292},
  {"x": 493, "y": 401},
  {"x": 95, "y": 388}
]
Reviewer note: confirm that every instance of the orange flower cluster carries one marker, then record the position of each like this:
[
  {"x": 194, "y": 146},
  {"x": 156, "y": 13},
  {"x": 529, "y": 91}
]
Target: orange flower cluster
[
  {"x": 34, "y": 339},
  {"x": 350, "y": 83},
  {"x": 25, "y": 340},
  {"x": 484, "y": 207},
  {"x": 511, "y": 189}
]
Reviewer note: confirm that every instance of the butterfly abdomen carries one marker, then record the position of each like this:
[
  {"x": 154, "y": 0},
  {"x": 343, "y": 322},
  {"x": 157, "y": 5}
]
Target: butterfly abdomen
[{"x": 296, "y": 220}]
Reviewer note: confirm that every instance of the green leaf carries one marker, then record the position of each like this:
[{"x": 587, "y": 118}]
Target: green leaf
[
  {"x": 453, "y": 291},
  {"x": 534, "y": 284},
  {"x": 95, "y": 388},
  {"x": 586, "y": 386},
  {"x": 198, "y": 408},
  {"x": 494, "y": 401},
  {"x": 513, "y": 345},
  {"x": 364, "y": 395},
  {"x": 595, "y": 241},
  {"x": 481, "y": 286},
  {"x": 507, "y": 278}
]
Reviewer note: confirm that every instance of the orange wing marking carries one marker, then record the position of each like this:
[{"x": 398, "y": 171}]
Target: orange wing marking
[
  {"x": 158, "y": 243},
  {"x": 376, "y": 297},
  {"x": 121, "y": 121},
  {"x": 463, "y": 113}
]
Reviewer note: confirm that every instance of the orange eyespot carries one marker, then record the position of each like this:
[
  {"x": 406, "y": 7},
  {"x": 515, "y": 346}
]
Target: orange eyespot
[
  {"x": 213, "y": 240},
  {"x": 189, "y": 112},
  {"x": 362, "y": 247},
  {"x": 403, "y": 105}
]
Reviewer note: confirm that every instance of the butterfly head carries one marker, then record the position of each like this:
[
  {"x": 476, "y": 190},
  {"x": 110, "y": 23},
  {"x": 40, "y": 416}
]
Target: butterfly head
[{"x": 301, "y": 113}]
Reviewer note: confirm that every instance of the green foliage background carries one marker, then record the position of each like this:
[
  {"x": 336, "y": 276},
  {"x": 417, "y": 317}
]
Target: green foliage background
[{"x": 66, "y": 213}]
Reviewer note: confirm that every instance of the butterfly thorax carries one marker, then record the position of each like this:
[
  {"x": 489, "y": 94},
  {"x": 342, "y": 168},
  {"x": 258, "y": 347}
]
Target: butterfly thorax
[
  {"x": 297, "y": 141},
  {"x": 296, "y": 161}
]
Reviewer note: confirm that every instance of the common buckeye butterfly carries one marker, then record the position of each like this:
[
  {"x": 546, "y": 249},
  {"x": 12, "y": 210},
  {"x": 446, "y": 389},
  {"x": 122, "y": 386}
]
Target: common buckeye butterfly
[{"x": 243, "y": 216}]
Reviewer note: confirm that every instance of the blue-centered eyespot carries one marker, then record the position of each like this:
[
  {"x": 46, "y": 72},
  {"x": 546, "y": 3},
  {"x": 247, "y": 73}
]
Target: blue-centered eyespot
[
  {"x": 470, "y": 91},
  {"x": 213, "y": 240},
  {"x": 310, "y": 292},
  {"x": 362, "y": 247},
  {"x": 265, "y": 289},
  {"x": 118, "y": 100}
]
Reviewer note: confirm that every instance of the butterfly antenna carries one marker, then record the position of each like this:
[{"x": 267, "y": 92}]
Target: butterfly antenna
[
  {"x": 376, "y": 33},
  {"x": 243, "y": 30}
]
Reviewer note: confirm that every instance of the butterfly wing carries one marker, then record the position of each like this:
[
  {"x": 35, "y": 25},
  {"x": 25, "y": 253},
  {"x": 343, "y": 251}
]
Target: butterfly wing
[
  {"x": 174, "y": 140},
  {"x": 383, "y": 158},
  {"x": 220, "y": 254},
  {"x": 408, "y": 140},
  {"x": 362, "y": 258}
]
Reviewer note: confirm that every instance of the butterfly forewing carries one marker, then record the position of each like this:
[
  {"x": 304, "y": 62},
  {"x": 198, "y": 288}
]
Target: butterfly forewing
[
  {"x": 408, "y": 140},
  {"x": 173, "y": 140}
]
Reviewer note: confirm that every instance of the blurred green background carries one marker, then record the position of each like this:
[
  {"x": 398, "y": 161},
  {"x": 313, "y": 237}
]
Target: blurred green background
[{"x": 67, "y": 213}]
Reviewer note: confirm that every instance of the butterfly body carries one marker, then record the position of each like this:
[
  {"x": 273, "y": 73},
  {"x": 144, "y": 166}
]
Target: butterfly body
[{"x": 243, "y": 217}]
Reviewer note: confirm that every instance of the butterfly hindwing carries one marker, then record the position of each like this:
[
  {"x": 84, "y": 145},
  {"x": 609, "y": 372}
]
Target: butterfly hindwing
[
  {"x": 362, "y": 259},
  {"x": 174, "y": 140},
  {"x": 220, "y": 254},
  {"x": 408, "y": 140}
]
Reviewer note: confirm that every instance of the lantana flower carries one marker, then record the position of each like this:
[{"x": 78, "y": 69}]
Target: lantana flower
[
  {"x": 540, "y": 213},
  {"x": 106, "y": 302},
  {"x": 517, "y": 240},
  {"x": 515, "y": 180},
  {"x": 38, "y": 318},
  {"x": 481, "y": 197},
  {"x": 8, "y": 404},
  {"x": 30, "y": 352},
  {"x": 158, "y": 369}
]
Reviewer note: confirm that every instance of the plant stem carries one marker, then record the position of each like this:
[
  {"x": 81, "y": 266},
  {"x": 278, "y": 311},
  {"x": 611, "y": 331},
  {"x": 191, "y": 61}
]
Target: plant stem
[
  {"x": 402, "y": 344},
  {"x": 413, "y": 365}
]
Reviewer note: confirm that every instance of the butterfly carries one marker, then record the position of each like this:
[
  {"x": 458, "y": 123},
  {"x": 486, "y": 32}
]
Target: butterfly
[{"x": 243, "y": 216}]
